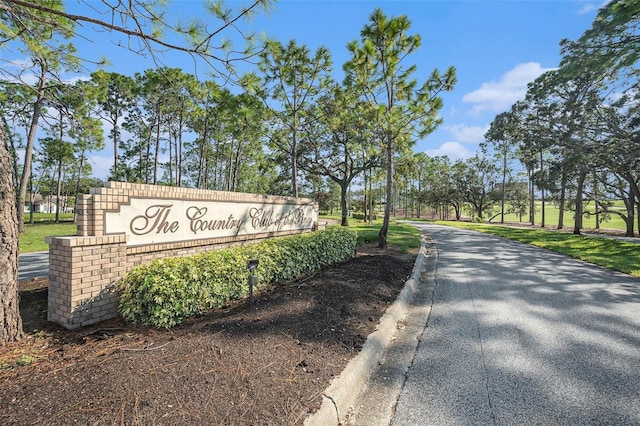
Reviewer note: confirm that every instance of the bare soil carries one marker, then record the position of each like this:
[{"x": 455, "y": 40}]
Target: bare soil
[{"x": 263, "y": 365}]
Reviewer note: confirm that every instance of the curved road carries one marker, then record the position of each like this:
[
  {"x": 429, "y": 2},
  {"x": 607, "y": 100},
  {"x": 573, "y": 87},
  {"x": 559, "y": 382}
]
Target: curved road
[{"x": 518, "y": 335}]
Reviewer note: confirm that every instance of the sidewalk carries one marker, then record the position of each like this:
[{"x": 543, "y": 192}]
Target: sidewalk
[{"x": 375, "y": 377}]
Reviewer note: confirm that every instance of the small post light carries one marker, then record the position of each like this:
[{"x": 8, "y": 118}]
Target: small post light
[{"x": 252, "y": 264}]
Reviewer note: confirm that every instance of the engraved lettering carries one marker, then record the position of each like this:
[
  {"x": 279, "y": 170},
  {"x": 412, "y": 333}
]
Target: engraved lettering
[
  {"x": 198, "y": 224},
  {"x": 154, "y": 219}
]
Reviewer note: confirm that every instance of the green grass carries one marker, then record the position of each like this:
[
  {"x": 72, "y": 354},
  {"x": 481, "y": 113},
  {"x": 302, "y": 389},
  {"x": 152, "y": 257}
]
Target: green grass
[
  {"x": 33, "y": 237},
  {"x": 552, "y": 215},
  {"x": 404, "y": 236},
  {"x": 614, "y": 254}
]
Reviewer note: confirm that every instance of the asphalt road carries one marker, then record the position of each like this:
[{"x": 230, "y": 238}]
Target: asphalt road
[
  {"x": 33, "y": 265},
  {"x": 522, "y": 336}
]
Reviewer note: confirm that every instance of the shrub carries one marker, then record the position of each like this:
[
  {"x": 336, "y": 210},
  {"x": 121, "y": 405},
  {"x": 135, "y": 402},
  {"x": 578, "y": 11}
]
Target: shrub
[
  {"x": 164, "y": 292},
  {"x": 362, "y": 217}
]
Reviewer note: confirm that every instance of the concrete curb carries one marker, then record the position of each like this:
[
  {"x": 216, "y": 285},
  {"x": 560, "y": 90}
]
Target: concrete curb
[{"x": 341, "y": 398}]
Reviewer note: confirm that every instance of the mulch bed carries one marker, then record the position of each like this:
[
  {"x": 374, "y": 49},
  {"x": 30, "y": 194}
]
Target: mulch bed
[{"x": 265, "y": 365}]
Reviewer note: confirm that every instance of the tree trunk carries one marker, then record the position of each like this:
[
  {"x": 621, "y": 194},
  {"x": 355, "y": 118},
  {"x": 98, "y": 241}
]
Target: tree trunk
[
  {"x": 634, "y": 200},
  {"x": 419, "y": 193},
  {"x": 147, "y": 161},
  {"x": 116, "y": 133},
  {"x": 504, "y": 186},
  {"x": 179, "y": 153},
  {"x": 201, "y": 162},
  {"x": 157, "y": 152},
  {"x": 382, "y": 234},
  {"x": 366, "y": 198},
  {"x": 563, "y": 189},
  {"x": 577, "y": 223},
  {"x": 532, "y": 197},
  {"x": 344, "y": 206},
  {"x": 637, "y": 216},
  {"x": 77, "y": 189},
  {"x": 170, "y": 136},
  {"x": 28, "y": 152},
  {"x": 596, "y": 198},
  {"x": 294, "y": 163},
  {"x": 542, "y": 223},
  {"x": 406, "y": 196},
  {"x": 32, "y": 200},
  {"x": 58, "y": 191},
  {"x": 10, "y": 321},
  {"x": 236, "y": 168},
  {"x": 629, "y": 218},
  {"x": 370, "y": 197}
]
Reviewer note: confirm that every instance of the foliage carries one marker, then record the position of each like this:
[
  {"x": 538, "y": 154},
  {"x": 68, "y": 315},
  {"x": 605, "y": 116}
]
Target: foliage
[
  {"x": 360, "y": 216},
  {"x": 476, "y": 182},
  {"x": 337, "y": 144},
  {"x": 499, "y": 142},
  {"x": 596, "y": 250},
  {"x": 293, "y": 78},
  {"x": 26, "y": 359},
  {"x": 405, "y": 110},
  {"x": 610, "y": 46},
  {"x": 164, "y": 292}
]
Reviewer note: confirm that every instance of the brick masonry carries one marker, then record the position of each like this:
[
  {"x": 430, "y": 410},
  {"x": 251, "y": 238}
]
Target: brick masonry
[{"x": 84, "y": 268}]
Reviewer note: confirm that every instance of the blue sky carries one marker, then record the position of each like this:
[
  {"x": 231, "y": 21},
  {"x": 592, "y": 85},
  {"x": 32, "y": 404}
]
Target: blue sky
[{"x": 497, "y": 48}]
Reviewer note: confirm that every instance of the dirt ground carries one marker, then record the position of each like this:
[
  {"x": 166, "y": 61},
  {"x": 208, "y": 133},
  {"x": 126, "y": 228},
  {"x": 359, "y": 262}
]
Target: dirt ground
[{"x": 261, "y": 365}]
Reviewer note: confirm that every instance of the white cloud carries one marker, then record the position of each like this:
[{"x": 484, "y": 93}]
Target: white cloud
[
  {"x": 17, "y": 71},
  {"x": 467, "y": 134},
  {"x": 20, "y": 71},
  {"x": 500, "y": 95},
  {"x": 453, "y": 150},
  {"x": 586, "y": 8},
  {"x": 74, "y": 79},
  {"x": 590, "y": 6}
]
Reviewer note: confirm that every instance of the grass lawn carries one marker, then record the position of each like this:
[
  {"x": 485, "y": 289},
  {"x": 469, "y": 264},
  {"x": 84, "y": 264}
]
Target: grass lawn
[
  {"x": 552, "y": 215},
  {"x": 33, "y": 237},
  {"x": 614, "y": 254},
  {"x": 404, "y": 236}
]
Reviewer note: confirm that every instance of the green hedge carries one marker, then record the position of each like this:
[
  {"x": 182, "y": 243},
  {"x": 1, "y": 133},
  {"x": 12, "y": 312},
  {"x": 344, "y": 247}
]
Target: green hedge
[
  {"x": 164, "y": 292},
  {"x": 361, "y": 216}
]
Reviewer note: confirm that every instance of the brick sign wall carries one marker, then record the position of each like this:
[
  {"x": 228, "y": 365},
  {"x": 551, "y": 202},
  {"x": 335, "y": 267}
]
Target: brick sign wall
[{"x": 123, "y": 225}]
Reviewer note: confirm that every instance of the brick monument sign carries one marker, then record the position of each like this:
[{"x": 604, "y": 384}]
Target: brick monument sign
[{"x": 124, "y": 224}]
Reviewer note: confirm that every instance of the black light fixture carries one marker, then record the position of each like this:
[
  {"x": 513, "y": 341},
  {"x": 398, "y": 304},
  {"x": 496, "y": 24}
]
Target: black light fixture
[{"x": 252, "y": 264}]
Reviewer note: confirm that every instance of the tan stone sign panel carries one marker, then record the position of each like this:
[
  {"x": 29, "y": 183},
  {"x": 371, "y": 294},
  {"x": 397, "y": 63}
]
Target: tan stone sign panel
[{"x": 149, "y": 221}]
